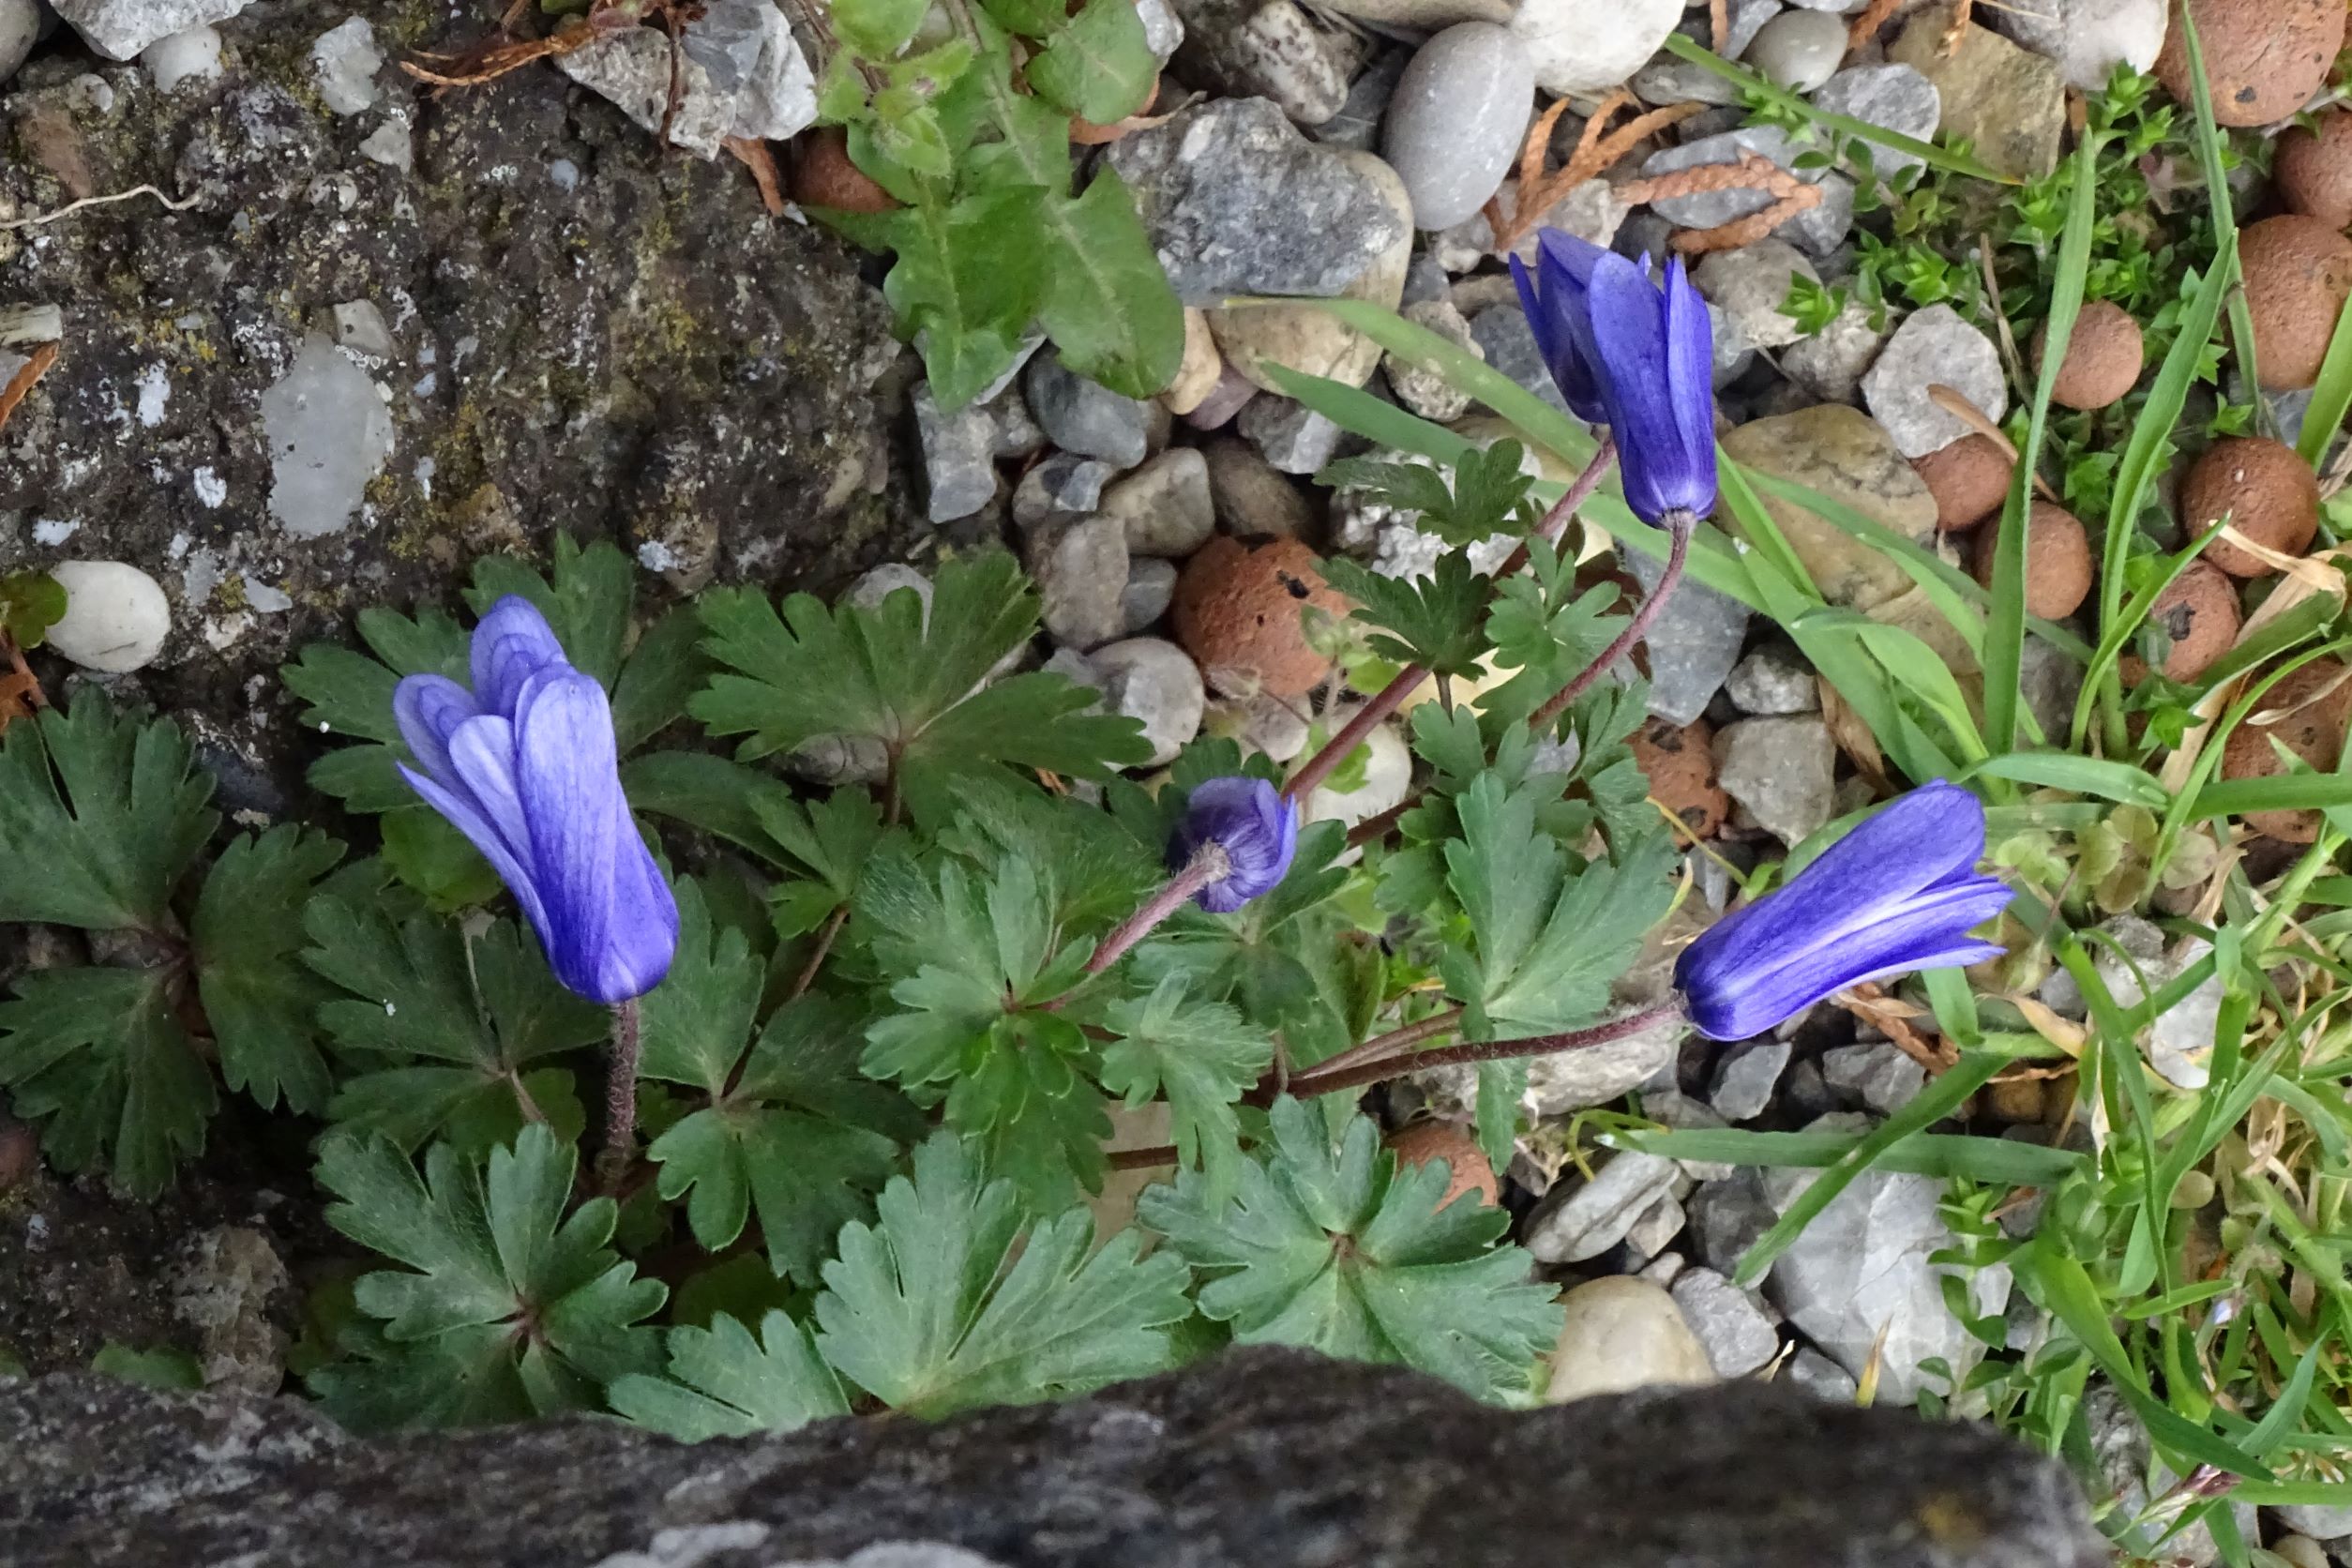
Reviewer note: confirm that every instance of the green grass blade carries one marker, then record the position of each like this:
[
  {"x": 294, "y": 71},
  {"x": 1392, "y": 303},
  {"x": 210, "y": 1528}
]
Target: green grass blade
[
  {"x": 2330, "y": 394},
  {"x": 2005, "y": 629},
  {"x": 1994, "y": 1160},
  {"x": 2211, "y": 163},
  {"x": 2119, "y": 782},
  {"x": 1926, "y": 152},
  {"x": 1937, "y": 1100}
]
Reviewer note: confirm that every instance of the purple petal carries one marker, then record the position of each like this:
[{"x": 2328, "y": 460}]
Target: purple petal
[
  {"x": 428, "y": 708},
  {"x": 512, "y": 643},
  {"x": 462, "y": 814},
  {"x": 482, "y": 766},
  {"x": 1690, "y": 337},
  {"x": 612, "y": 924},
  {"x": 1551, "y": 310},
  {"x": 1563, "y": 253},
  {"x": 1258, "y": 829}
]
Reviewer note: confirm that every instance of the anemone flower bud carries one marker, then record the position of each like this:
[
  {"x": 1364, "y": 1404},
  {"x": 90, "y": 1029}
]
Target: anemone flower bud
[
  {"x": 1897, "y": 894},
  {"x": 1258, "y": 830},
  {"x": 526, "y": 767},
  {"x": 1637, "y": 357}
]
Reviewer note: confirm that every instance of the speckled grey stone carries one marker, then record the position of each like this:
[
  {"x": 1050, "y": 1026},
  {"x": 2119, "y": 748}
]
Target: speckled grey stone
[
  {"x": 1779, "y": 772},
  {"x": 1894, "y": 98},
  {"x": 1934, "y": 347}
]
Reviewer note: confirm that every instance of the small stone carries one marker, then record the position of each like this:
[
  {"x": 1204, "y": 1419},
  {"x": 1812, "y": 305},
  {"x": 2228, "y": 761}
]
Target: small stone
[
  {"x": 1228, "y": 397},
  {"x": 1858, "y": 1280},
  {"x": 2009, "y": 103},
  {"x": 1737, "y": 1336},
  {"x": 872, "y": 588},
  {"x": 1848, "y": 458},
  {"x": 2087, "y": 38},
  {"x": 1671, "y": 80},
  {"x": 191, "y": 54},
  {"x": 1877, "y": 1073},
  {"x": 1261, "y": 724},
  {"x": 329, "y": 434},
  {"x": 1166, "y": 505},
  {"x": 1152, "y": 681},
  {"x": 958, "y": 457},
  {"x": 117, "y": 617},
  {"x": 1894, "y": 98},
  {"x": 1690, "y": 646},
  {"x": 1508, "y": 342},
  {"x": 390, "y": 143},
  {"x": 1163, "y": 29},
  {"x": 1239, "y": 613},
  {"x": 1671, "y": 1107},
  {"x": 1254, "y": 500},
  {"x": 1779, "y": 769},
  {"x": 1659, "y": 1224},
  {"x": 360, "y": 329},
  {"x": 1745, "y": 1076},
  {"x": 2180, "y": 1041},
  {"x": 1798, "y": 50},
  {"x": 1823, "y": 1377},
  {"x": 1747, "y": 19},
  {"x": 2330, "y": 1522},
  {"x": 1727, "y": 1217},
  {"x": 1454, "y": 125},
  {"x": 1013, "y": 433},
  {"x": 1774, "y": 680},
  {"x": 1831, "y": 363},
  {"x": 1061, "y": 487},
  {"x": 1081, "y": 573},
  {"x": 1580, "y": 47},
  {"x": 1424, "y": 391},
  {"x": 1151, "y": 588},
  {"x": 1305, "y": 337},
  {"x": 1623, "y": 1333},
  {"x": 1934, "y": 347},
  {"x": 1388, "y": 777},
  {"x": 1084, "y": 416},
  {"x": 224, "y": 1286},
  {"x": 632, "y": 68},
  {"x": 1197, "y": 376},
  {"x": 119, "y": 29},
  {"x": 1294, "y": 437},
  {"x": 1270, "y": 50},
  {"x": 344, "y": 63},
  {"x": 1749, "y": 284},
  {"x": 1577, "y": 1220},
  {"x": 21, "y": 28},
  {"x": 748, "y": 49},
  {"x": 1427, "y": 15},
  {"x": 1357, "y": 125}
]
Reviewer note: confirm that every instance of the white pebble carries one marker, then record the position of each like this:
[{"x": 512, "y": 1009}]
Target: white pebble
[
  {"x": 344, "y": 62},
  {"x": 191, "y": 54},
  {"x": 117, "y": 617}
]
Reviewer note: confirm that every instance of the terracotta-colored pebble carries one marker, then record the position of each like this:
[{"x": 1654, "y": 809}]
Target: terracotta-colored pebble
[
  {"x": 1449, "y": 1142},
  {"x": 2102, "y": 360},
  {"x": 2058, "y": 561},
  {"x": 1680, "y": 763},
  {"x": 2266, "y": 492},
  {"x": 823, "y": 176},
  {"x": 2313, "y": 705},
  {"x": 2313, "y": 169},
  {"x": 1238, "y": 613},
  {"x": 1969, "y": 478},
  {"x": 2199, "y": 612},
  {"x": 2263, "y": 58},
  {"x": 2298, "y": 272}
]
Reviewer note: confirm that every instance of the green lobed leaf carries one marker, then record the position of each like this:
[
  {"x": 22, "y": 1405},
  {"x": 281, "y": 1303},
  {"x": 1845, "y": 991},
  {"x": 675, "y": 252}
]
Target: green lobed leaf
[
  {"x": 31, "y": 602},
  {"x": 962, "y": 285},
  {"x": 949, "y": 1301},
  {"x": 97, "y": 1058},
  {"x": 247, "y": 942},
  {"x": 1100, "y": 66},
  {"x": 506, "y": 1307},
  {"x": 1437, "y": 621},
  {"x": 1338, "y": 1250},
  {"x": 101, "y": 815},
  {"x": 724, "y": 1383},
  {"x": 1201, "y": 1058}
]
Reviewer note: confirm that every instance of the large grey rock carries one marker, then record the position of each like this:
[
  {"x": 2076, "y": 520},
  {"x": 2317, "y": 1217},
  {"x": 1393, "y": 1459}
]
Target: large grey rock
[
  {"x": 747, "y": 48},
  {"x": 1894, "y": 98},
  {"x": 1847, "y": 456},
  {"x": 1934, "y": 347},
  {"x": 666, "y": 91},
  {"x": 1237, "y": 201},
  {"x": 1457, "y": 121},
  {"x": 1860, "y": 1270},
  {"x": 1739, "y": 1337},
  {"x": 2009, "y": 103},
  {"x": 1085, "y": 417},
  {"x": 1779, "y": 771},
  {"x": 709, "y": 394},
  {"x": 119, "y": 29},
  {"x": 20, "y": 25},
  {"x": 1258, "y": 1458}
]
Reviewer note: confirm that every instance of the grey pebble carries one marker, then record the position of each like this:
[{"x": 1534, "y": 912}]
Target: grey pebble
[
  {"x": 1084, "y": 416},
  {"x": 1745, "y": 1076},
  {"x": 1739, "y": 1337},
  {"x": 1456, "y": 124},
  {"x": 1798, "y": 50}
]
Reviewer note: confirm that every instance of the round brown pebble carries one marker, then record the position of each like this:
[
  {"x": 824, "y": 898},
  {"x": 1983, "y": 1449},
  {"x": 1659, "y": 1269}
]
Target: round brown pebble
[
  {"x": 2298, "y": 271},
  {"x": 2015, "y": 1099},
  {"x": 2263, "y": 58},
  {"x": 2103, "y": 357},
  {"x": 2198, "y": 611},
  {"x": 1449, "y": 1142},
  {"x": 2058, "y": 561},
  {"x": 2266, "y": 491},
  {"x": 2313, "y": 169},
  {"x": 1239, "y": 609},
  {"x": 1969, "y": 478},
  {"x": 1680, "y": 762},
  {"x": 823, "y": 176},
  {"x": 2312, "y": 705}
]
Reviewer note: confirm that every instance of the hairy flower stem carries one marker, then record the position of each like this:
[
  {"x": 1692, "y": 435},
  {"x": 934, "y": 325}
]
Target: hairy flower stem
[
  {"x": 1209, "y": 863},
  {"x": 1325, "y": 1080},
  {"x": 1392, "y": 696},
  {"x": 1380, "y": 1047},
  {"x": 1677, "y": 526},
  {"x": 620, "y": 1100}
]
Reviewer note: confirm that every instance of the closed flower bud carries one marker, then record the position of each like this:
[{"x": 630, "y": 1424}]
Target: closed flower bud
[
  {"x": 525, "y": 766},
  {"x": 1256, "y": 828},
  {"x": 1899, "y": 892}
]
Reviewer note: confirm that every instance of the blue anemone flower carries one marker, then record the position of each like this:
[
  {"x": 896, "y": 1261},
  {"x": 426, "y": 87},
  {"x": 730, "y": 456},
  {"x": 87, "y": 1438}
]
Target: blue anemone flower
[
  {"x": 1637, "y": 357},
  {"x": 1256, "y": 828},
  {"x": 1897, "y": 894},
  {"x": 526, "y": 767}
]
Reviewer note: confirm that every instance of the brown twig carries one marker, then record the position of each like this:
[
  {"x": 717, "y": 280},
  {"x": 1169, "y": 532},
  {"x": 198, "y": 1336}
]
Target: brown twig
[
  {"x": 1719, "y": 24},
  {"x": 487, "y": 61},
  {"x": 1792, "y": 195},
  {"x": 27, "y": 686},
  {"x": 1383, "y": 1047},
  {"x": 1955, "y": 35},
  {"x": 1540, "y": 192},
  {"x": 754, "y": 154},
  {"x": 21, "y": 385},
  {"x": 1867, "y": 25}
]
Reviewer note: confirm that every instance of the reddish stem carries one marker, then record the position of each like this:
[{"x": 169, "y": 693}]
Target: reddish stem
[
  {"x": 1318, "y": 767},
  {"x": 1209, "y": 863},
  {"x": 1678, "y": 527},
  {"x": 1381, "y": 1047},
  {"x": 620, "y": 1099},
  {"x": 1318, "y": 1081}
]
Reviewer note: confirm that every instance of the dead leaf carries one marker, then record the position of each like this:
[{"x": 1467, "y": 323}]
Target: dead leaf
[{"x": 22, "y": 383}]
